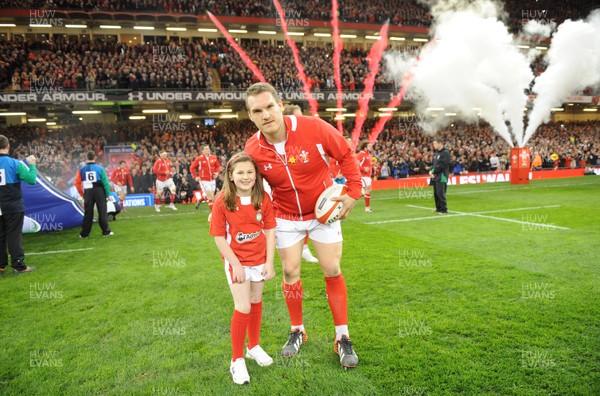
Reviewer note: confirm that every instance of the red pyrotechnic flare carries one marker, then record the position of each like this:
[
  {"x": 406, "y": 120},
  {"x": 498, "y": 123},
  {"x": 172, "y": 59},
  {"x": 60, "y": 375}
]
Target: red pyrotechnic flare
[
  {"x": 237, "y": 48},
  {"x": 337, "y": 54},
  {"x": 363, "y": 103},
  {"x": 314, "y": 106},
  {"x": 397, "y": 100}
]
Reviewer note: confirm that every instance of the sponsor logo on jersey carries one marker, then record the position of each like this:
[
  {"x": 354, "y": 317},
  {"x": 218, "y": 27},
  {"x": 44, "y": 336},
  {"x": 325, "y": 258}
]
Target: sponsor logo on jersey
[{"x": 241, "y": 237}]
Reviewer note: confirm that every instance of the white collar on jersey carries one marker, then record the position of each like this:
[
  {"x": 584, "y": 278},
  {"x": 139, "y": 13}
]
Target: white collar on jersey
[{"x": 294, "y": 122}]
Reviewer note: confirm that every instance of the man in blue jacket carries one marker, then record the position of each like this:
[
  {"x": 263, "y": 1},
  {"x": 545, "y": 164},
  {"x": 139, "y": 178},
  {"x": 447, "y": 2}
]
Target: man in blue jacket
[
  {"x": 12, "y": 209},
  {"x": 92, "y": 184}
]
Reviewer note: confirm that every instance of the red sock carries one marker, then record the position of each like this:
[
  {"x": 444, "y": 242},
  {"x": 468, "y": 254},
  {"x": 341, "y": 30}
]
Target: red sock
[
  {"x": 293, "y": 298},
  {"x": 306, "y": 239},
  {"x": 239, "y": 323},
  {"x": 335, "y": 287},
  {"x": 254, "y": 325},
  {"x": 367, "y": 200}
]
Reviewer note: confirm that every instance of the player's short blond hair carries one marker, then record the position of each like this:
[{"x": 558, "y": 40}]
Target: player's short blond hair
[{"x": 258, "y": 88}]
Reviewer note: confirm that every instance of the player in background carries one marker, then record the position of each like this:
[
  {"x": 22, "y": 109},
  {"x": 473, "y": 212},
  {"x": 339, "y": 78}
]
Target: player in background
[
  {"x": 243, "y": 224},
  {"x": 205, "y": 170},
  {"x": 162, "y": 170},
  {"x": 334, "y": 166},
  {"x": 120, "y": 178},
  {"x": 292, "y": 154},
  {"x": 365, "y": 163},
  {"x": 307, "y": 255}
]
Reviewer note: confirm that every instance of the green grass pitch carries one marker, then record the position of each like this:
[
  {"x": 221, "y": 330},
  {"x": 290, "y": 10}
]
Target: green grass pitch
[{"x": 499, "y": 297}]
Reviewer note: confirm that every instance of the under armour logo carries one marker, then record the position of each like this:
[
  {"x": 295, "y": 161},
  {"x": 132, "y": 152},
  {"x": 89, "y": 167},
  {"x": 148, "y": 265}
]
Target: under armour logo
[
  {"x": 268, "y": 167},
  {"x": 136, "y": 96}
]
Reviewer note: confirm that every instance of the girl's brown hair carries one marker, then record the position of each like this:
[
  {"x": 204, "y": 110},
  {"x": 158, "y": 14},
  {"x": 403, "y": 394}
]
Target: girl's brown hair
[{"x": 229, "y": 189}]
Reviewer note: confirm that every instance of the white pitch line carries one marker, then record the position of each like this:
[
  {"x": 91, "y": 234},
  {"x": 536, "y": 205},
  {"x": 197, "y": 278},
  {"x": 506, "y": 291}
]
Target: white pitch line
[
  {"x": 490, "y": 211},
  {"x": 58, "y": 251},
  {"x": 476, "y": 214},
  {"x": 413, "y": 219},
  {"x": 518, "y": 188},
  {"x": 517, "y": 221},
  {"x": 515, "y": 209},
  {"x": 482, "y": 215},
  {"x": 490, "y": 190}
]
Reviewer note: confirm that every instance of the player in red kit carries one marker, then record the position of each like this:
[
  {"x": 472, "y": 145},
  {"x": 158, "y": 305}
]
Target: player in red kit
[
  {"x": 205, "y": 169},
  {"x": 243, "y": 224},
  {"x": 121, "y": 178},
  {"x": 306, "y": 253},
  {"x": 365, "y": 163},
  {"x": 162, "y": 170},
  {"x": 291, "y": 153}
]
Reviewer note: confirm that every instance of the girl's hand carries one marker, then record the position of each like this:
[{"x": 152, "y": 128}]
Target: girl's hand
[
  {"x": 268, "y": 272},
  {"x": 238, "y": 275}
]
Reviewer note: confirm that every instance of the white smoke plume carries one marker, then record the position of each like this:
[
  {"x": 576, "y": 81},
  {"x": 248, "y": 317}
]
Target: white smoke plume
[
  {"x": 539, "y": 29},
  {"x": 573, "y": 64},
  {"x": 471, "y": 66}
]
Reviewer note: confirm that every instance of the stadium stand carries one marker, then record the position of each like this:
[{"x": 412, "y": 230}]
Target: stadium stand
[
  {"x": 407, "y": 151},
  {"x": 398, "y": 12},
  {"x": 197, "y": 65},
  {"x": 101, "y": 64}
]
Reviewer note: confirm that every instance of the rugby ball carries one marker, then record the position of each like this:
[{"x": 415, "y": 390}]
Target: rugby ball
[{"x": 326, "y": 210}]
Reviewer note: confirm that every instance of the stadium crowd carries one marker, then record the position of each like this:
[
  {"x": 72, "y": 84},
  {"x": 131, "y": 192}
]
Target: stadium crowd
[
  {"x": 402, "y": 150},
  {"x": 277, "y": 66},
  {"x": 398, "y": 12},
  {"x": 57, "y": 64}
]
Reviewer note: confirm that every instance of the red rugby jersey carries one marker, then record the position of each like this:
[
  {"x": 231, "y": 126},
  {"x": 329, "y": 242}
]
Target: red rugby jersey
[
  {"x": 365, "y": 163},
  {"x": 205, "y": 167},
  {"x": 243, "y": 228},
  {"x": 300, "y": 175},
  {"x": 121, "y": 176},
  {"x": 162, "y": 169}
]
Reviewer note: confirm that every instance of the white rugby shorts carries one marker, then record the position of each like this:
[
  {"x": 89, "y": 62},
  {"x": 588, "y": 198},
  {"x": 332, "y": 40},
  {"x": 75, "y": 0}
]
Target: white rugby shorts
[
  {"x": 290, "y": 232},
  {"x": 160, "y": 185},
  {"x": 208, "y": 185},
  {"x": 120, "y": 189},
  {"x": 253, "y": 274}
]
